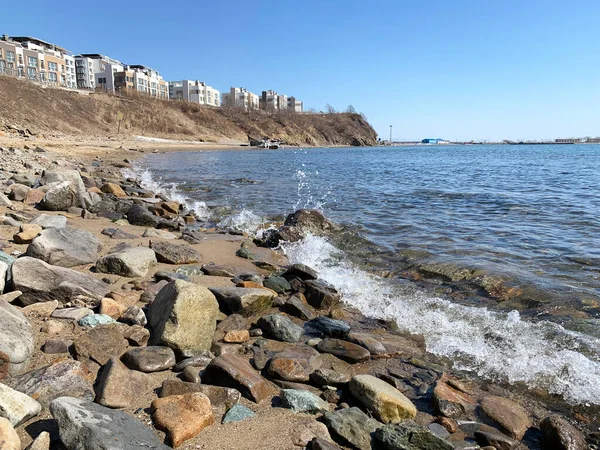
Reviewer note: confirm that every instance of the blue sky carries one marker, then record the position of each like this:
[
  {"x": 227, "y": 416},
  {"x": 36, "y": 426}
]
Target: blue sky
[{"x": 454, "y": 69}]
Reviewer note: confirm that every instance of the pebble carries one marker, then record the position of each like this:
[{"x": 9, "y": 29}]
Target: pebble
[
  {"x": 93, "y": 320},
  {"x": 237, "y": 413},
  {"x": 149, "y": 359}
]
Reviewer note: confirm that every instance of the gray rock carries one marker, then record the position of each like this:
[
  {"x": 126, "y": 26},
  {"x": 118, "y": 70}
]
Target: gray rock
[
  {"x": 8, "y": 260},
  {"x": 151, "y": 291},
  {"x": 190, "y": 270},
  {"x": 296, "y": 306},
  {"x": 24, "y": 178},
  {"x": 326, "y": 327},
  {"x": 243, "y": 301},
  {"x": 561, "y": 435},
  {"x": 232, "y": 323},
  {"x": 76, "y": 313},
  {"x": 245, "y": 253},
  {"x": 4, "y": 271},
  {"x": 346, "y": 351},
  {"x": 4, "y": 200},
  {"x": 64, "y": 377},
  {"x": 302, "y": 401},
  {"x": 18, "y": 192},
  {"x": 88, "y": 426},
  {"x": 409, "y": 436},
  {"x": 496, "y": 440},
  {"x": 48, "y": 221},
  {"x": 353, "y": 426},
  {"x": 131, "y": 262},
  {"x": 367, "y": 341},
  {"x": 134, "y": 315},
  {"x": 237, "y": 413},
  {"x": 42, "y": 282},
  {"x": 149, "y": 359},
  {"x": 329, "y": 377},
  {"x": 278, "y": 284},
  {"x": 300, "y": 271},
  {"x": 63, "y": 195},
  {"x": 162, "y": 234},
  {"x": 65, "y": 247},
  {"x": 55, "y": 346},
  {"x": 119, "y": 387},
  {"x": 183, "y": 317},
  {"x": 280, "y": 328},
  {"x": 138, "y": 215},
  {"x": 16, "y": 406},
  {"x": 170, "y": 253},
  {"x": 41, "y": 442},
  {"x": 321, "y": 295},
  {"x": 16, "y": 340},
  {"x": 100, "y": 343},
  {"x": 218, "y": 270}
]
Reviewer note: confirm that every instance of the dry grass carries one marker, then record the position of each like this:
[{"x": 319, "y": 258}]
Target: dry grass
[{"x": 56, "y": 111}]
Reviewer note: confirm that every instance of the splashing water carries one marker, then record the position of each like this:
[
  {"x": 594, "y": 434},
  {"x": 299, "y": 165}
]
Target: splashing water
[
  {"x": 244, "y": 220},
  {"x": 147, "y": 181},
  {"x": 494, "y": 345},
  {"x": 305, "y": 198}
]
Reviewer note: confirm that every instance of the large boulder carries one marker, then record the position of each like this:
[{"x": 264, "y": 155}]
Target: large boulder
[
  {"x": 66, "y": 190},
  {"x": 42, "y": 282},
  {"x": 409, "y": 436},
  {"x": 132, "y": 262},
  {"x": 120, "y": 387},
  {"x": 138, "y": 215},
  {"x": 511, "y": 417},
  {"x": 84, "y": 425},
  {"x": 3, "y": 275},
  {"x": 281, "y": 328},
  {"x": 16, "y": 340},
  {"x": 385, "y": 401},
  {"x": 352, "y": 426},
  {"x": 559, "y": 434},
  {"x": 183, "y": 316},
  {"x": 48, "y": 221},
  {"x": 65, "y": 247},
  {"x": 169, "y": 253},
  {"x": 16, "y": 406}
]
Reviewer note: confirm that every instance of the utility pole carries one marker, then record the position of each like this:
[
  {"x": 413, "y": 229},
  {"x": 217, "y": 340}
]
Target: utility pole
[{"x": 390, "y": 135}]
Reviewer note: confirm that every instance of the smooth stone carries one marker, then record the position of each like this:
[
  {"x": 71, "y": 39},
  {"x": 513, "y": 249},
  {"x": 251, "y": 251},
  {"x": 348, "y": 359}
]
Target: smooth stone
[
  {"x": 367, "y": 341},
  {"x": 76, "y": 313},
  {"x": 300, "y": 271},
  {"x": 182, "y": 416},
  {"x": 280, "y": 328},
  {"x": 386, "y": 402},
  {"x": 132, "y": 262},
  {"x": 306, "y": 430},
  {"x": 63, "y": 195},
  {"x": 16, "y": 406},
  {"x": 56, "y": 346},
  {"x": 302, "y": 401},
  {"x": 183, "y": 317},
  {"x": 409, "y": 436},
  {"x": 326, "y": 327},
  {"x": 43, "y": 309},
  {"x": 247, "y": 302},
  {"x": 245, "y": 253},
  {"x": 192, "y": 374},
  {"x": 232, "y": 371},
  {"x": 289, "y": 369},
  {"x": 16, "y": 340},
  {"x": 559, "y": 434},
  {"x": 353, "y": 426},
  {"x": 149, "y": 359},
  {"x": 156, "y": 233},
  {"x": 237, "y": 413},
  {"x": 93, "y": 320},
  {"x": 297, "y": 306},
  {"x": 41, "y": 442},
  {"x": 511, "y": 417},
  {"x": 329, "y": 377},
  {"x": 65, "y": 247},
  {"x": 9, "y": 439},
  {"x": 48, "y": 221},
  {"x": 320, "y": 295},
  {"x": 138, "y": 215},
  {"x": 170, "y": 253},
  {"x": 236, "y": 336},
  {"x": 496, "y": 440},
  {"x": 232, "y": 323},
  {"x": 120, "y": 387},
  {"x": 346, "y": 351},
  {"x": 190, "y": 271},
  {"x": 63, "y": 378},
  {"x": 134, "y": 315},
  {"x": 450, "y": 402},
  {"x": 85, "y": 425},
  {"x": 195, "y": 361},
  {"x": 170, "y": 276},
  {"x": 220, "y": 397},
  {"x": 100, "y": 343},
  {"x": 277, "y": 284},
  {"x": 42, "y": 282},
  {"x": 218, "y": 270}
]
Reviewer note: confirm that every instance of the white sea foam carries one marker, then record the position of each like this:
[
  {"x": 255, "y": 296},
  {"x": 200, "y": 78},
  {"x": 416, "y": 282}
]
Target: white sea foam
[
  {"x": 245, "y": 221},
  {"x": 147, "y": 181},
  {"x": 493, "y": 345}
]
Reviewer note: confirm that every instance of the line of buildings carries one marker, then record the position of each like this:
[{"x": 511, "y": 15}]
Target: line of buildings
[{"x": 46, "y": 63}]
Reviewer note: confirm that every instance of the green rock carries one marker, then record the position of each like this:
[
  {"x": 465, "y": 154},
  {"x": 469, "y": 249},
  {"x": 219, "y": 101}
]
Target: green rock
[
  {"x": 190, "y": 270},
  {"x": 353, "y": 426},
  {"x": 238, "y": 413},
  {"x": 408, "y": 436},
  {"x": 93, "y": 320},
  {"x": 301, "y": 401},
  {"x": 278, "y": 284},
  {"x": 245, "y": 253}
]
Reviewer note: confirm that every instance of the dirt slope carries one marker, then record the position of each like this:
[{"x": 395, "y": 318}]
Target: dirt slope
[{"x": 26, "y": 106}]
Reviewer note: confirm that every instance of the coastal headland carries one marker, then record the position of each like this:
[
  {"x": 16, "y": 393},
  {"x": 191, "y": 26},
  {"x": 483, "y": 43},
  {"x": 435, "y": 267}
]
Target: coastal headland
[{"x": 117, "y": 303}]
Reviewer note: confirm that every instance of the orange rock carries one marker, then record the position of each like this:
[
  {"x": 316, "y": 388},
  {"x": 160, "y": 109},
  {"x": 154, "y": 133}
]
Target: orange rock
[
  {"x": 25, "y": 237},
  {"x": 112, "y": 308},
  {"x": 237, "y": 336},
  {"x": 34, "y": 196},
  {"x": 95, "y": 189},
  {"x": 125, "y": 298},
  {"x": 182, "y": 416},
  {"x": 254, "y": 285},
  {"x": 449, "y": 401},
  {"x": 113, "y": 188},
  {"x": 172, "y": 207}
]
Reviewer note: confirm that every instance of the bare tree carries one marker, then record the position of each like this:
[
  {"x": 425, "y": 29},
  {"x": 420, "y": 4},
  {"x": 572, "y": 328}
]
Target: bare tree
[
  {"x": 330, "y": 109},
  {"x": 350, "y": 109}
]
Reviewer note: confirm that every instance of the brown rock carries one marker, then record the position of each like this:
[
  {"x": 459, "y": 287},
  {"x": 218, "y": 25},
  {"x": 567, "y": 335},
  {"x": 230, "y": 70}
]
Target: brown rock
[
  {"x": 448, "y": 424},
  {"x": 172, "y": 207},
  {"x": 289, "y": 369},
  {"x": 235, "y": 372},
  {"x": 450, "y": 402},
  {"x": 219, "y": 396},
  {"x": 367, "y": 341},
  {"x": 25, "y": 237},
  {"x": 111, "y": 308},
  {"x": 34, "y": 196},
  {"x": 237, "y": 336},
  {"x": 113, "y": 188},
  {"x": 182, "y": 416},
  {"x": 561, "y": 435},
  {"x": 9, "y": 439},
  {"x": 125, "y": 298},
  {"x": 344, "y": 350},
  {"x": 43, "y": 309},
  {"x": 101, "y": 343},
  {"x": 232, "y": 322},
  {"x": 137, "y": 335},
  {"x": 119, "y": 387},
  {"x": 511, "y": 417}
]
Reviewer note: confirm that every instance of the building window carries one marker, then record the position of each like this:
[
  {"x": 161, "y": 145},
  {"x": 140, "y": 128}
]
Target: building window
[
  {"x": 52, "y": 66},
  {"x": 101, "y": 80},
  {"x": 52, "y": 77},
  {"x": 21, "y": 59},
  {"x": 10, "y": 56},
  {"x": 2, "y": 66},
  {"x": 0, "y": 53},
  {"x": 32, "y": 61},
  {"x": 31, "y": 73}
]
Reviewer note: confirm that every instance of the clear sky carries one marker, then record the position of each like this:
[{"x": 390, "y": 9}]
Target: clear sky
[{"x": 457, "y": 69}]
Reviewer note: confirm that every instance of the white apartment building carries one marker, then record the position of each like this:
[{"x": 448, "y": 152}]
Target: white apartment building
[
  {"x": 96, "y": 71},
  {"x": 294, "y": 105},
  {"x": 147, "y": 81},
  {"x": 194, "y": 92},
  {"x": 241, "y": 98}
]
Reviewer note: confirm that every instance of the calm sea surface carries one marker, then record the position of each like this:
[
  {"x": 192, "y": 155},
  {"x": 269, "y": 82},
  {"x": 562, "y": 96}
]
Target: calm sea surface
[{"x": 528, "y": 212}]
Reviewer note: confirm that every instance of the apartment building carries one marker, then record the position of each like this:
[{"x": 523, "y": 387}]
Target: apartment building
[
  {"x": 41, "y": 61},
  {"x": 194, "y": 92},
  {"x": 96, "y": 71},
  {"x": 241, "y": 98},
  {"x": 147, "y": 81},
  {"x": 294, "y": 105}
]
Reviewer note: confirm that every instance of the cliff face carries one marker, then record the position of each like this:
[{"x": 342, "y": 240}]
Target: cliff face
[{"x": 25, "y": 105}]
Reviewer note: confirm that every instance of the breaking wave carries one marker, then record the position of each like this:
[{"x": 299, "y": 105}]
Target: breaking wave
[{"x": 497, "y": 346}]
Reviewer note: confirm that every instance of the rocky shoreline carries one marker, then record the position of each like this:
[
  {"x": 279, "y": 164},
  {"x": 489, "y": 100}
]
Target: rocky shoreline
[{"x": 123, "y": 325}]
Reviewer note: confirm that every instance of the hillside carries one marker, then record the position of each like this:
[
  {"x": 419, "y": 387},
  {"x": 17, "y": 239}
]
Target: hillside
[{"x": 26, "y": 106}]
